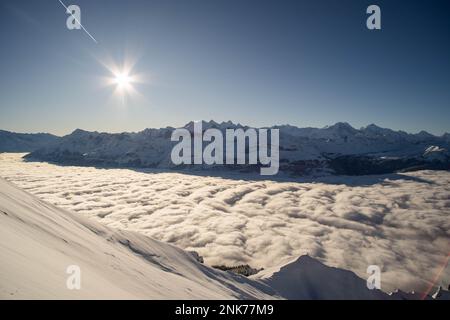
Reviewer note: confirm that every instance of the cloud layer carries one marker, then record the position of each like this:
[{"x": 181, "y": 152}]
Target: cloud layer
[{"x": 401, "y": 223}]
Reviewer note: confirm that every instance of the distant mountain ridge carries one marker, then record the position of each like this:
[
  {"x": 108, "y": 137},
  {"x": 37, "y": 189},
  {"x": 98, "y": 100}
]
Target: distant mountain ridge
[
  {"x": 24, "y": 142},
  {"x": 339, "y": 149}
]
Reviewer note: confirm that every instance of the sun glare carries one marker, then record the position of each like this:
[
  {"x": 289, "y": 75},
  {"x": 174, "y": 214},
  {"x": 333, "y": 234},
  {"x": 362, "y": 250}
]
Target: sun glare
[{"x": 123, "y": 81}]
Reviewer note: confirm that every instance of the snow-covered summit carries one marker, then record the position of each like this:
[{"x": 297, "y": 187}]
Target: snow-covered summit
[{"x": 307, "y": 278}]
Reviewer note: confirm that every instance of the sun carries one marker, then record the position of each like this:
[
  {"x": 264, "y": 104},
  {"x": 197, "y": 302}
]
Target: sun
[
  {"x": 123, "y": 81},
  {"x": 123, "y": 78}
]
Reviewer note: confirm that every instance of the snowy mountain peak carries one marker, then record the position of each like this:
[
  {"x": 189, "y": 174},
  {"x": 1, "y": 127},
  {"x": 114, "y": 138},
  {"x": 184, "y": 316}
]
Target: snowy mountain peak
[
  {"x": 212, "y": 124},
  {"x": 308, "y": 278},
  {"x": 228, "y": 123},
  {"x": 307, "y": 260},
  {"x": 341, "y": 126},
  {"x": 79, "y": 132},
  {"x": 424, "y": 134},
  {"x": 374, "y": 128}
]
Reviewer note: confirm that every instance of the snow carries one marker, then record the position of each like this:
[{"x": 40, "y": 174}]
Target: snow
[
  {"x": 24, "y": 142},
  {"x": 307, "y": 278},
  {"x": 441, "y": 294},
  {"x": 435, "y": 153},
  {"x": 39, "y": 241}
]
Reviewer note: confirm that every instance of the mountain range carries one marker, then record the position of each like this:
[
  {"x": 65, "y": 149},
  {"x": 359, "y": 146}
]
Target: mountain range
[
  {"x": 336, "y": 149},
  {"x": 24, "y": 142}
]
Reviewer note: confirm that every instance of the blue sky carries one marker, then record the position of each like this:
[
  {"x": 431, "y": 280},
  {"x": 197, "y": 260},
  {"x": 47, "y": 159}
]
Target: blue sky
[{"x": 257, "y": 62}]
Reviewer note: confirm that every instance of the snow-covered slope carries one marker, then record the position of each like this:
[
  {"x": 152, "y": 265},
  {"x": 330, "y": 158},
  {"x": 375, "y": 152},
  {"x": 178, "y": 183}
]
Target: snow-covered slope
[
  {"x": 24, "y": 142},
  {"x": 39, "y": 241},
  {"x": 302, "y": 150}
]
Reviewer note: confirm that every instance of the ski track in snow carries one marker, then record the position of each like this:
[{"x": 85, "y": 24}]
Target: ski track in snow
[{"x": 400, "y": 224}]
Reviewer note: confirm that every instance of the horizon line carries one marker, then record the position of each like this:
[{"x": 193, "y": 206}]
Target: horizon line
[{"x": 232, "y": 122}]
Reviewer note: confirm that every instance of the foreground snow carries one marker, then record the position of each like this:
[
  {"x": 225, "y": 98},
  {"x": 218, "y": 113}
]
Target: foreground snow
[{"x": 39, "y": 241}]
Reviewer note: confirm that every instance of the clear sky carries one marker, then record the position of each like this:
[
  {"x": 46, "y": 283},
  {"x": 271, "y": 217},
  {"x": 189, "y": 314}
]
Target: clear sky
[{"x": 257, "y": 62}]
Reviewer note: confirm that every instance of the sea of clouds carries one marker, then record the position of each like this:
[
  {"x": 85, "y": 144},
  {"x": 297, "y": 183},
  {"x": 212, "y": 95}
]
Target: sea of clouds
[{"x": 399, "y": 222}]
